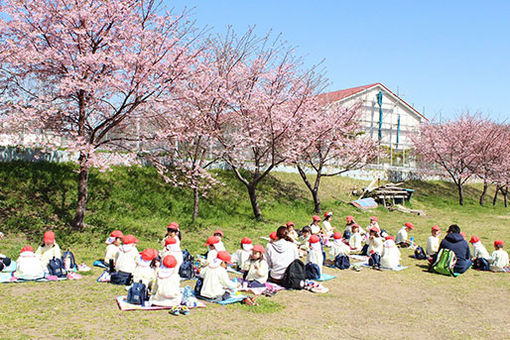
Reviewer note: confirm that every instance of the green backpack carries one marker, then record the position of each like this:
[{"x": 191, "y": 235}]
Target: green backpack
[{"x": 445, "y": 262}]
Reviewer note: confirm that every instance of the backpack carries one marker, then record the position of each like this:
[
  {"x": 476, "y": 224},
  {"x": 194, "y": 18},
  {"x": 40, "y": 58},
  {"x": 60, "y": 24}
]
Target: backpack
[
  {"x": 56, "y": 267},
  {"x": 138, "y": 294},
  {"x": 186, "y": 270},
  {"x": 198, "y": 286},
  {"x": 419, "y": 253},
  {"x": 481, "y": 264},
  {"x": 445, "y": 262},
  {"x": 69, "y": 256},
  {"x": 312, "y": 271},
  {"x": 342, "y": 262},
  {"x": 121, "y": 278},
  {"x": 294, "y": 276},
  {"x": 347, "y": 235}
]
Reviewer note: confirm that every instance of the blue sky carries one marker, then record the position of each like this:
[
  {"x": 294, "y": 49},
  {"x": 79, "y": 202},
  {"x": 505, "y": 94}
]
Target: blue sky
[{"x": 444, "y": 56}]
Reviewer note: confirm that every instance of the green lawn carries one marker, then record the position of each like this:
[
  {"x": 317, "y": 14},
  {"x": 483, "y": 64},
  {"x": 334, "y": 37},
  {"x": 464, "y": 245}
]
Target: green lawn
[{"x": 368, "y": 304}]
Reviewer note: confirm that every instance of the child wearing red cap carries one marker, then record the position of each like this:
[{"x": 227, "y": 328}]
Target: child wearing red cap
[
  {"x": 48, "y": 249},
  {"x": 479, "y": 251},
  {"x": 29, "y": 267},
  {"x": 373, "y": 222},
  {"x": 144, "y": 271},
  {"x": 113, "y": 242},
  {"x": 327, "y": 229},
  {"x": 314, "y": 226},
  {"x": 242, "y": 255},
  {"x": 433, "y": 241},
  {"x": 256, "y": 268},
  {"x": 401, "y": 238},
  {"x": 172, "y": 230},
  {"x": 219, "y": 234},
  {"x": 349, "y": 222},
  {"x": 292, "y": 232},
  {"x": 172, "y": 247},
  {"x": 356, "y": 238},
  {"x": 213, "y": 246},
  {"x": 126, "y": 258},
  {"x": 338, "y": 246},
  {"x": 166, "y": 291},
  {"x": 375, "y": 248},
  {"x": 216, "y": 282},
  {"x": 499, "y": 258},
  {"x": 315, "y": 253},
  {"x": 390, "y": 257}
]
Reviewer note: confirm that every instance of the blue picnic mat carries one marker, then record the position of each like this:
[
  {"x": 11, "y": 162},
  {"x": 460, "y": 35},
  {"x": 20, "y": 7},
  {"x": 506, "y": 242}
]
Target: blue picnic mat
[
  {"x": 325, "y": 277},
  {"x": 232, "y": 299}
]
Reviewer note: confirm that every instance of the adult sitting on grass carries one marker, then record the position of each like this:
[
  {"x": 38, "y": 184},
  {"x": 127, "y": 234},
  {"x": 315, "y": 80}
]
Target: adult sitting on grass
[
  {"x": 280, "y": 254},
  {"x": 456, "y": 243}
]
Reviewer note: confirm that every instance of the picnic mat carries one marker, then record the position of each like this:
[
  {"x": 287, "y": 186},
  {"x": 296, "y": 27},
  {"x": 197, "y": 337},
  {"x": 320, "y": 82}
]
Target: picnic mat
[
  {"x": 232, "y": 270},
  {"x": 7, "y": 278},
  {"x": 365, "y": 264},
  {"x": 365, "y": 203},
  {"x": 99, "y": 264},
  {"x": 125, "y": 306},
  {"x": 259, "y": 291},
  {"x": 325, "y": 277},
  {"x": 232, "y": 299},
  {"x": 10, "y": 268}
]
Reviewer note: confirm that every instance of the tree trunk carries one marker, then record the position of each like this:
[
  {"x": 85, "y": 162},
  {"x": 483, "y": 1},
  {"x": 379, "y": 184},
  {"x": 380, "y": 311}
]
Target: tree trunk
[
  {"x": 484, "y": 192},
  {"x": 83, "y": 179},
  {"x": 313, "y": 189},
  {"x": 316, "y": 201},
  {"x": 196, "y": 198},
  {"x": 505, "y": 195},
  {"x": 252, "y": 191},
  {"x": 461, "y": 194},
  {"x": 495, "y": 199}
]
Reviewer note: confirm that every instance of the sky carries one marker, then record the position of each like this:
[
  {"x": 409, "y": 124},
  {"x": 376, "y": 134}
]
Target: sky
[{"x": 442, "y": 57}]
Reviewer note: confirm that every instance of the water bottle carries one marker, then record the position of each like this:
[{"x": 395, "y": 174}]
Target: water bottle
[{"x": 67, "y": 263}]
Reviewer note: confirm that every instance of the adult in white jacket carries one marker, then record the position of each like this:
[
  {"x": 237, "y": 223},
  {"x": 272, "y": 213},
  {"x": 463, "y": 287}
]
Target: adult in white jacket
[
  {"x": 280, "y": 254},
  {"x": 166, "y": 291},
  {"x": 127, "y": 256},
  {"x": 29, "y": 265},
  {"x": 216, "y": 281}
]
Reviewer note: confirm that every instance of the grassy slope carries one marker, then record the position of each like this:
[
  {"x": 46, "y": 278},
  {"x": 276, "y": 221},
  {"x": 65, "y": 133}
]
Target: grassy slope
[{"x": 36, "y": 195}]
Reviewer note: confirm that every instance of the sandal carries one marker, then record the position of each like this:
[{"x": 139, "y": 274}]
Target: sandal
[
  {"x": 184, "y": 310},
  {"x": 175, "y": 310}
]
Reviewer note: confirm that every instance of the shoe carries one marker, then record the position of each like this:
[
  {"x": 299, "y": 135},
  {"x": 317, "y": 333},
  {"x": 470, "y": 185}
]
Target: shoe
[
  {"x": 175, "y": 310},
  {"x": 83, "y": 268},
  {"x": 356, "y": 268},
  {"x": 184, "y": 310}
]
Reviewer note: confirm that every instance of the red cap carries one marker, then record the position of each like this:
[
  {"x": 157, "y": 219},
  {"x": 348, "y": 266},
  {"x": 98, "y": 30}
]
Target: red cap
[
  {"x": 149, "y": 254},
  {"x": 129, "y": 239},
  {"x": 389, "y": 237},
  {"x": 258, "y": 248},
  {"x": 349, "y": 219},
  {"x": 337, "y": 235},
  {"x": 374, "y": 218},
  {"x": 329, "y": 213},
  {"x": 290, "y": 223},
  {"x": 224, "y": 256},
  {"x": 499, "y": 243},
  {"x": 117, "y": 234},
  {"x": 409, "y": 225},
  {"x": 49, "y": 236},
  {"x": 374, "y": 229},
  {"x": 436, "y": 227},
  {"x": 212, "y": 240},
  {"x": 169, "y": 261},
  {"x": 218, "y": 232},
  {"x": 173, "y": 225},
  {"x": 170, "y": 240},
  {"x": 246, "y": 240},
  {"x": 474, "y": 239},
  {"x": 463, "y": 234},
  {"x": 273, "y": 236},
  {"x": 26, "y": 248},
  {"x": 355, "y": 225},
  {"x": 316, "y": 218},
  {"x": 314, "y": 239}
]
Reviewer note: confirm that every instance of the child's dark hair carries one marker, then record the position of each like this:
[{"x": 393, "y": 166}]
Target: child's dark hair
[
  {"x": 176, "y": 231},
  {"x": 306, "y": 229},
  {"x": 154, "y": 261},
  {"x": 454, "y": 229},
  {"x": 283, "y": 233}
]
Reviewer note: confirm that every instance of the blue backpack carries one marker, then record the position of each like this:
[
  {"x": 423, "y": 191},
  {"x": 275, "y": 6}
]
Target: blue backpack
[
  {"x": 312, "y": 271},
  {"x": 69, "y": 256},
  {"x": 186, "y": 270},
  {"x": 138, "y": 294},
  {"x": 419, "y": 253},
  {"x": 342, "y": 262},
  {"x": 56, "y": 267}
]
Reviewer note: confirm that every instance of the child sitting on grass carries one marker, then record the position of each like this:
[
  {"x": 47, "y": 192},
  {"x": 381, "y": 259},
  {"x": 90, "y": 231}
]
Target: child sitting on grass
[
  {"x": 216, "y": 282},
  {"x": 242, "y": 255},
  {"x": 143, "y": 271},
  {"x": 355, "y": 239},
  {"x": 401, "y": 238},
  {"x": 213, "y": 247},
  {"x": 172, "y": 230},
  {"x": 4, "y": 260},
  {"x": 113, "y": 242},
  {"x": 315, "y": 253},
  {"x": 390, "y": 257},
  {"x": 166, "y": 291},
  {"x": 338, "y": 246},
  {"x": 127, "y": 256},
  {"x": 29, "y": 267},
  {"x": 292, "y": 232},
  {"x": 375, "y": 248},
  {"x": 220, "y": 246},
  {"x": 499, "y": 258},
  {"x": 48, "y": 250},
  {"x": 256, "y": 268},
  {"x": 480, "y": 256},
  {"x": 172, "y": 248},
  {"x": 433, "y": 241},
  {"x": 349, "y": 222}
]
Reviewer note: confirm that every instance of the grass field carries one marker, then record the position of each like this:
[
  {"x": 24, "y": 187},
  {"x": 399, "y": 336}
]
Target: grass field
[{"x": 361, "y": 305}]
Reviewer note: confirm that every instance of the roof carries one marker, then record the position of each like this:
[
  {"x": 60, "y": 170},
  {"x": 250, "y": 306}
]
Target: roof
[{"x": 331, "y": 97}]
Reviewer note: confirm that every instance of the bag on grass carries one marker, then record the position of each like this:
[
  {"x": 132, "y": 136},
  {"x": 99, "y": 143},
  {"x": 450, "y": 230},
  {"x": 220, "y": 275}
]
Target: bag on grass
[
  {"x": 481, "y": 264},
  {"x": 294, "y": 276},
  {"x": 313, "y": 271},
  {"x": 198, "y": 286},
  {"x": 445, "y": 262},
  {"x": 419, "y": 253},
  {"x": 138, "y": 294},
  {"x": 69, "y": 261},
  {"x": 186, "y": 270},
  {"x": 121, "y": 278},
  {"x": 342, "y": 262},
  {"x": 56, "y": 267}
]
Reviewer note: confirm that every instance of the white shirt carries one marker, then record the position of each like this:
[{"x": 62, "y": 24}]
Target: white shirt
[
  {"x": 339, "y": 248},
  {"x": 390, "y": 257},
  {"x": 401, "y": 236},
  {"x": 432, "y": 245},
  {"x": 375, "y": 244},
  {"x": 216, "y": 281},
  {"x": 126, "y": 259},
  {"x": 240, "y": 257},
  {"x": 499, "y": 259},
  {"x": 29, "y": 267},
  {"x": 479, "y": 251},
  {"x": 111, "y": 253},
  {"x": 259, "y": 274},
  {"x": 355, "y": 241},
  {"x": 328, "y": 229},
  {"x": 166, "y": 291},
  {"x": 315, "y": 228},
  {"x": 45, "y": 254},
  {"x": 315, "y": 255}
]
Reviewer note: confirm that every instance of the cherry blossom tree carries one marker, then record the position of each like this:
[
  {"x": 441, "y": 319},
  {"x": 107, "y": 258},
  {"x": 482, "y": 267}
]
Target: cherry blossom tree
[
  {"x": 339, "y": 145},
  {"x": 86, "y": 71},
  {"x": 454, "y": 147}
]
